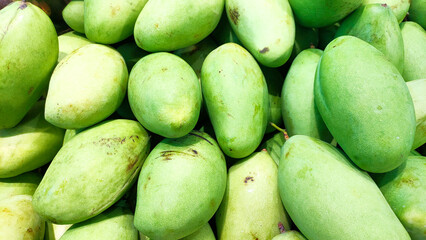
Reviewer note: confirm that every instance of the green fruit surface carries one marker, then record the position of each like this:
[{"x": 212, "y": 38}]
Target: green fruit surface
[
  {"x": 418, "y": 94},
  {"x": 69, "y": 42},
  {"x": 418, "y": 12},
  {"x": 73, "y": 15},
  {"x": 414, "y": 37},
  {"x": 24, "y": 184},
  {"x": 399, "y": 7},
  {"x": 204, "y": 233}
]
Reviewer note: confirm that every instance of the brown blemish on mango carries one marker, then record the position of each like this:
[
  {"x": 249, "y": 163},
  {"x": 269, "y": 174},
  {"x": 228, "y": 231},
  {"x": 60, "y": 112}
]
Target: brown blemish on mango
[
  {"x": 234, "y": 15},
  {"x": 248, "y": 179},
  {"x": 264, "y": 50}
]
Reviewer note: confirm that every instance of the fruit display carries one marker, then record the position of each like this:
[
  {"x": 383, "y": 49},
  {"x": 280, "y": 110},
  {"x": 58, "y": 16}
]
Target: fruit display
[{"x": 212, "y": 119}]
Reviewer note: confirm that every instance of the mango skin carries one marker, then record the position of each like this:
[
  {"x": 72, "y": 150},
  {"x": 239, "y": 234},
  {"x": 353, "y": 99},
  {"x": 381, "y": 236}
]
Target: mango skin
[
  {"x": 75, "y": 187},
  {"x": 399, "y": 7},
  {"x": 346, "y": 199},
  {"x": 28, "y": 64},
  {"x": 73, "y": 15},
  {"x": 69, "y": 42},
  {"x": 167, "y": 206},
  {"x": 55, "y": 231},
  {"x": 273, "y": 146},
  {"x": 204, "y": 233},
  {"x": 168, "y": 25},
  {"x": 24, "y": 184},
  {"x": 274, "y": 81},
  {"x": 289, "y": 235},
  {"x": 417, "y": 91},
  {"x": 86, "y": 87},
  {"x": 30, "y": 145},
  {"x": 414, "y": 37},
  {"x": 266, "y": 28},
  {"x": 418, "y": 12},
  {"x": 236, "y": 96},
  {"x": 165, "y": 95},
  {"x": 111, "y": 21},
  {"x": 359, "y": 114},
  {"x": 251, "y": 207}
]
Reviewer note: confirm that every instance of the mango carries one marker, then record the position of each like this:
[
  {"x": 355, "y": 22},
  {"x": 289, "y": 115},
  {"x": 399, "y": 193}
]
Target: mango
[
  {"x": 55, "y": 231},
  {"x": 131, "y": 53},
  {"x": 86, "y": 87},
  {"x": 204, "y": 233},
  {"x": 274, "y": 81},
  {"x": 30, "y": 145},
  {"x": 24, "y": 184},
  {"x": 273, "y": 146},
  {"x": 69, "y": 42},
  {"x": 347, "y": 202},
  {"x": 92, "y": 171},
  {"x": 360, "y": 115},
  {"x": 111, "y": 21},
  {"x": 417, "y": 90},
  {"x": 418, "y": 12},
  {"x": 398, "y": 7},
  {"x": 251, "y": 207},
  {"x": 305, "y": 38},
  {"x": 26, "y": 65},
  {"x": 168, "y": 25},
  {"x": 73, "y": 15},
  {"x": 70, "y": 133},
  {"x": 236, "y": 97},
  {"x": 289, "y": 235},
  {"x": 180, "y": 187},
  {"x": 414, "y": 37},
  {"x": 223, "y": 33}
]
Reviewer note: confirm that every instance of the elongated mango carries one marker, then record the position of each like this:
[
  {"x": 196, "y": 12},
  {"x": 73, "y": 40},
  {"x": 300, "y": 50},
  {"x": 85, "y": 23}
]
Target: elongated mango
[
  {"x": 73, "y": 15},
  {"x": 398, "y": 7},
  {"x": 414, "y": 37},
  {"x": 417, "y": 91}
]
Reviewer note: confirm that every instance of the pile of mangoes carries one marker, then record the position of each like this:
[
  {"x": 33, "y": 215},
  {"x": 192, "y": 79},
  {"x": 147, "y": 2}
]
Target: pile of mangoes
[{"x": 213, "y": 119}]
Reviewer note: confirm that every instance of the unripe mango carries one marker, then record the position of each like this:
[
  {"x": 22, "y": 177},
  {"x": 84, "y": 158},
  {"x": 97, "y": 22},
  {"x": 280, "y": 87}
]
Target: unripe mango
[
  {"x": 73, "y": 15},
  {"x": 398, "y": 7},
  {"x": 204, "y": 233},
  {"x": 414, "y": 37},
  {"x": 418, "y": 12},
  {"x": 69, "y": 42},
  {"x": 24, "y": 184},
  {"x": 417, "y": 91}
]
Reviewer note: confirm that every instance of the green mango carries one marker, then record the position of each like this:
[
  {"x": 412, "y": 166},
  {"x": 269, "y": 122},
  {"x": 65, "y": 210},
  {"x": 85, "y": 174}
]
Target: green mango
[
  {"x": 398, "y": 7},
  {"x": 18, "y": 220},
  {"x": 405, "y": 190},
  {"x": 418, "y": 12},
  {"x": 165, "y": 94},
  {"x": 305, "y": 38},
  {"x": 73, "y": 15},
  {"x": 360, "y": 115},
  {"x": 326, "y": 35},
  {"x": 204, "y": 233},
  {"x": 322, "y": 13},
  {"x": 70, "y": 133},
  {"x": 266, "y": 28},
  {"x": 251, "y": 207},
  {"x": 347, "y": 204},
  {"x": 417, "y": 90},
  {"x": 30, "y": 145},
  {"x": 414, "y": 37},
  {"x": 223, "y": 33},
  {"x": 92, "y": 171},
  {"x": 69, "y": 42},
  {"x": 236, "y": 96},
  {"x": 273, "y": 146},
  {"x": 26, "y": 63},
  {"x": 24, "y": 184},
  {"x": 289, "y": 235},
  {"x": 55, "y": 231},
  {"x": 168, "y": 25},
  {"x": 131, "y": 53},
  {"x": 274, "y": 81},
  {"x": 111, "y": 21},
  {"x": 376, "y": 24},
  {"x": 180, "y": 187},
  {"x": 86, "y": 87}
]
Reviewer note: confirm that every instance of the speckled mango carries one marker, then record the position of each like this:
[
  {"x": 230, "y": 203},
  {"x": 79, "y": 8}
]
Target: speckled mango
[
  {"x": 69, "y": 42},
  {"x": 92, "y": 171},
  {"x": 375, "y": 128},
  {"x": 418, "y": 12},
  {"x": 204, "y": 233},
  {"x": 73, "y": 15},
  {"x": 289, "y": 235},
  {"x": 417, "y": 90},
  {"x": 398, "y": 7},
  {"x": 414, "y": 37},
  {"x": 24, "y": 184}
]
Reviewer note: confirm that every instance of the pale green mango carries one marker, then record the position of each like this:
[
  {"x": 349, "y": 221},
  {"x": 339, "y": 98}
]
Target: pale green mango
[
  {"x": 180, "y": 187},
  {"x": 236, "y": 96},
  {"x": 70, "y": 133},
  {"x": 414, "y": 37},
  {"x": 266, "y": 28},
  {"x": 73, "y": 15},
  {"x": 274, "y": 81},
  {"x": 405, "y": 190},
  {"x": 165, "y": 95},
  {"x": 418, "y": 94},
  {"x": 223, "y": 33},
  {"x": 168, "y": 25},
  {"x": 111, "y": 21},
  {"x": 24, "y": 184},
  {"x": 273, "y": 146},
  {"x": 204, "y": 233},
  {"x": 55, "y": 231},
  {"x": 321, "y": 13},
  {"x": 69, "y": 42},
  {"x": 251, "y": 207},
  {"x": 30, "y": 145},
  {"x": 18, "y": 220},
  {"x": 360, "y": 115},
  {"x": 305, "y": 38},
  {"x": 301, "y": 116},
  {"x": 289, "y": 235},
  {"x": 418, "y": 12},
  {"x": 398, "y": 7},
  {"x": 92, "y": 171},
  {"x": 131, "y": 53},
  {"x": 26, "y": 63},
  {"x": 338, "y": 200},
  {"x": 326, "y": 35},
  {"x": 86, "y": 87}
]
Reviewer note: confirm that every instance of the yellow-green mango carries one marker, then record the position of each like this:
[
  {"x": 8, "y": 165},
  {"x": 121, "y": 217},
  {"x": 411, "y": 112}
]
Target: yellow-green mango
[
  {"x": 24, "y": 184},
  {"x": 111, "y": 21},
  {"x": 418, "y": 12},
  {"x": 180, "y": 187},
  {"x": 414, "y": 37},
  {"x": 18, "y": 220},
  {"x": 26, "y": 64},
  {"x": 349, "y": 93},
  {"x": 55, "y": 231},
  {"x": 289, "y": 235},
  {"x": 418, "y": 94},
  {"x": 168, "y": 25},
  {"x": 165, "y": 94},
  {"x": 251, "y": 207},
  {"x": 236, "y": 97},
  {"x": 92, "y": 171},
  {"x": 69, "y": 42},
  {"x": 328, "y": 197},
  {"x": 204, "y": 233},
  {"x": 274, "y": 81},
  {"x": 398, "y": 7},
  {"x": 70, "y": 133},
  {"x": 405, "y": 190},
  {"x": 30, "y": 145},
  {"x": 86, "y": 87},
  {"x": 273, "y": 146},
  {"x": 377, "y": 25},
  {"x": 73, "y": 15},
  {"x": 223, "y": 33},
  {"x": 266, "y": 28}
]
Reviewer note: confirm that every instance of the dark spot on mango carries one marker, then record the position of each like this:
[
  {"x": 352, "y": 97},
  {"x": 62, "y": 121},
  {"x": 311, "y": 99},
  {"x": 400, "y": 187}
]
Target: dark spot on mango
[
  {"x": 132, "y": 163},
  {"x": 286, "y": 155},
  {"x": 164, "y": 69},
  {"x": 264, "y": 50},
  {"x": 193, "y": 134},
  {"x": 23, "y": 5},
  {"x": 248, "y": 179},
  {"x": 29, "y": 230},
  {"x": 30, "y": 90},
  {"x": 384, "y": 5},
  {"x": 254, "y": 236},
  {"x": 194, "y": 151},
  {"x": 212, "y": 203},
  {"x": 167, "y": 159},
  {"x": 234, "y": 15}
]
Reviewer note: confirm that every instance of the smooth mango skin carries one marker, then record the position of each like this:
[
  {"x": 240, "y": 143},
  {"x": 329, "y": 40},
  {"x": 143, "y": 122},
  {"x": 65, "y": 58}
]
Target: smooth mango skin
[
  {"x": 111, "y": 21},
  {"x": 86, "y": 87},
  {"x": 251, "y": 207},
  {"x": 92, "y": 171},
  {"x": 236, "y": 96},
  {"x": 18, "y": 220},
  {"x": 321, "y": 13},
  {"x": 24, "y": 184},
  {"x": 289, "y": 235},
  {"x": 301, "y": 116},
  {"x": 55, "y": 231},
  {"x": 274, "y": 81},
  {"x": 180, "y": 187},
  {"x": 417, "y": 91},
  {"x": 204, "y": 233},
  {"x": 399, "y": 7},
  {"x": 69, "y": 42},
  {"x": 165, "y": 95},
  {"x": 414, "y": 37},
  {"x": 273, "y": 146},
  {"x": 168, "y": 25},
  {"x": 266, "y": 28},
  {"x": 30, "y": 145},
  {"x": 405, "y": 190},
  {"x": 360, "y": 115},
  {"x": 73, "y": 15},
  {"x": 418, "y": 12},
  {"x": 347, "y": 203},
  {"x": 26, "y": 65}
]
